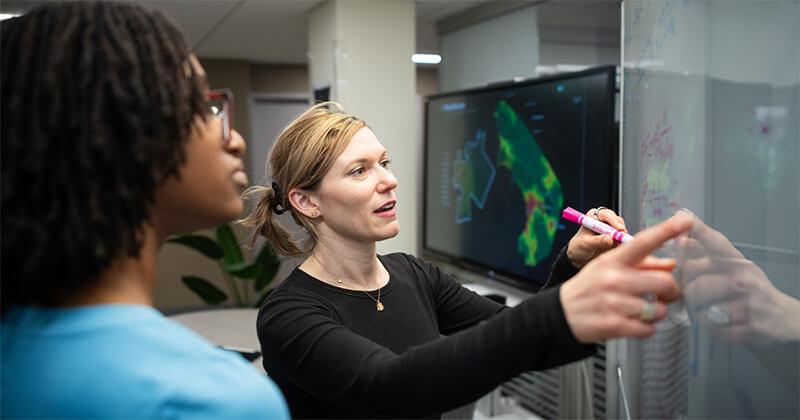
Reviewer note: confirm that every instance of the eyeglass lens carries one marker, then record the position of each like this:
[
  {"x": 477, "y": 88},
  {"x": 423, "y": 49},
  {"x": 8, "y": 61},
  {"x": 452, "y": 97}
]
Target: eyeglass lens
[{"x": 220, "y": 107}]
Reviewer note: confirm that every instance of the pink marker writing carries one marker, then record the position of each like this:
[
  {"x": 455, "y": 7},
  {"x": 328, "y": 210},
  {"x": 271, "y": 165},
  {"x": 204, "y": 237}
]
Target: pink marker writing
[{"x": 595, "y": 225}]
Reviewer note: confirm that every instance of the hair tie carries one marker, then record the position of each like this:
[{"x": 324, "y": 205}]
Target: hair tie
[{"x": 277, "y": 206}]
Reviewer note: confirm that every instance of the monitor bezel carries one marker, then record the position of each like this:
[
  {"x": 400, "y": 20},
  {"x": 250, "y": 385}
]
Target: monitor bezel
[{"x": 496, "y": 273}]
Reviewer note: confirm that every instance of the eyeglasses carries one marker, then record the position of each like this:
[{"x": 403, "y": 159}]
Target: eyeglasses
[{"x": 221, "y": 103}]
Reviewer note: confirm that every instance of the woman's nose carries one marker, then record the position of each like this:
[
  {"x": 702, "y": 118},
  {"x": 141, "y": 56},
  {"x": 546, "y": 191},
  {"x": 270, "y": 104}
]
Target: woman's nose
[
  {"x": 388, "y": 180},
  {"x": 237, "y": 145}
]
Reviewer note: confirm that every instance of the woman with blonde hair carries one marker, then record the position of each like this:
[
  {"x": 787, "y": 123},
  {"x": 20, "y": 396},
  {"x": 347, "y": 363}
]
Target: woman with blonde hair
[{"x": 351, "y": 333}]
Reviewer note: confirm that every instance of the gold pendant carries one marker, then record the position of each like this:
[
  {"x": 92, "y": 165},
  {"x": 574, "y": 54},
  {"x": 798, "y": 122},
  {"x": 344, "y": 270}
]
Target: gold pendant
[{"x": 379, "y": 307}]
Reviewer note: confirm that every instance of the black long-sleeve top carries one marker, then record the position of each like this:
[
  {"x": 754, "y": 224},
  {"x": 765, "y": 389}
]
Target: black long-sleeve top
[{"x": 435, "y": 347}]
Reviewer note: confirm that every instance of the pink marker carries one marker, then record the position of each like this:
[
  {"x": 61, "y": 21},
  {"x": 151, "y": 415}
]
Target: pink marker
[{"x": 595, "y": 225}]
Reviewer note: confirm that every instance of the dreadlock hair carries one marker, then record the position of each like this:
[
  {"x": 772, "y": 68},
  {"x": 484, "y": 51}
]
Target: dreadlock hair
[{"x": 98, "y": 101}]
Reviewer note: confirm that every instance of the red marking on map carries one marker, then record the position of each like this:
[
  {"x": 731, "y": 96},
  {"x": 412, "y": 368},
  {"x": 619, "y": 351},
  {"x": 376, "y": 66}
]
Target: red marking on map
[{"x": 530, "y": 203}]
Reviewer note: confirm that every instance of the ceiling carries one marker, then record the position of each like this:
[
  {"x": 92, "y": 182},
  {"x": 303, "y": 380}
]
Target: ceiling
[{"x": 266, "y": 31}]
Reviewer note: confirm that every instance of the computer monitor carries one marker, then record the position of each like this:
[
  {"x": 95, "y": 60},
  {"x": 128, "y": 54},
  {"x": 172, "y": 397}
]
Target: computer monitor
[{"x": 503, "y": 161}]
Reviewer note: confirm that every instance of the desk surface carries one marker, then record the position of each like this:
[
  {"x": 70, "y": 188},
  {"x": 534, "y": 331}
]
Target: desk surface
[{"x": 225, "y": 327}]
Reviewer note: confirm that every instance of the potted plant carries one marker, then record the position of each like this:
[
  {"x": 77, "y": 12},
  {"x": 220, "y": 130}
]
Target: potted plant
[{"x": 247, "y": 283}]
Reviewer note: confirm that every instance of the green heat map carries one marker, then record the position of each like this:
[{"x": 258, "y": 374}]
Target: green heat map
[{"x": 474, "y": 173}]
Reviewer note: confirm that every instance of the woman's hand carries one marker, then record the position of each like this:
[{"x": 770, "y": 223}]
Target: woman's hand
[
  {"x": 607, "y": 298},
  {"x": 586, "y": 244},
  {"x": 732, "y": 296}
]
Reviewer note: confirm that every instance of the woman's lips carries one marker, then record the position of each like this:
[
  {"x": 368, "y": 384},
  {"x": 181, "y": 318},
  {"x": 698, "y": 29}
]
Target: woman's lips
[
  {"x": 390, "y": 209},
  {"x": 387, "y": 213},
  {"x": 240, "y": 177}
]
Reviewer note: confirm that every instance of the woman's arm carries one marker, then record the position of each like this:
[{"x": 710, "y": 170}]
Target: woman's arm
[
  {"x": 302, "y": 342},
  {"x": 561, "y": 270}
]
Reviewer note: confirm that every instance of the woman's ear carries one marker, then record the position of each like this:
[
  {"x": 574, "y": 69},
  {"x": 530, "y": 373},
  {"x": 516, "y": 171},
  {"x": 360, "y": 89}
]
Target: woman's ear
[{"x": 304, "y": 202}]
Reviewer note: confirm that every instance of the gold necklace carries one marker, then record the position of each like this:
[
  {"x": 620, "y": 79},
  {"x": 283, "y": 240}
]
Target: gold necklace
[
  {"x": 338, "y": 280},
  {"x": 378, "y": 304}
]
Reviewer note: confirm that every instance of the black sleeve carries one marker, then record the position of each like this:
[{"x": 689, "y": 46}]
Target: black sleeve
[
  {"x": 561, "y": 270},
  {"x": 457, "y": 307},
  {"x": 302, "y": 341}
]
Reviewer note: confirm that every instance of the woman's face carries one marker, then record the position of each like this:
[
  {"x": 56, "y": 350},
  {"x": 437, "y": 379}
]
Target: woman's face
[
  {"x": 207, "y": 192},
  {"x": 356, "y": 198}
]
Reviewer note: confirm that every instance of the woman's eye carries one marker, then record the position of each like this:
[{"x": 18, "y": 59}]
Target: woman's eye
[
  {"x": 386, "y": 163},
  {"x": 357, "y": 171}
]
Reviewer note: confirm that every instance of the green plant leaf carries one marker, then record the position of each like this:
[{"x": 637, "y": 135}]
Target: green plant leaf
[
  {"x": 262, "y": 269},
  {"x": 200, "y": 243},
  {"x": 266, "y": 254},
  {"x": 232, "y": 253},
  {"x": 267, "y": 275},
  {"x": 262, "y": 298},
  {"x": 269, "y": 264},
  {"x": 244, "y": 270},
  {"x": 206, "y": 291}
]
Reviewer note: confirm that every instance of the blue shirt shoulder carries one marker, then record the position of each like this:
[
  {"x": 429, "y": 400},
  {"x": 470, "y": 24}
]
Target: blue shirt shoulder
[{"x": 123, "y": 361}]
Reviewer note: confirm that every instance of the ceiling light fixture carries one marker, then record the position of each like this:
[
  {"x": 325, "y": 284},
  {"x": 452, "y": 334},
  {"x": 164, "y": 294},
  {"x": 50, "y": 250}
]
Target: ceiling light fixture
[{"x": 426, "y": 58}]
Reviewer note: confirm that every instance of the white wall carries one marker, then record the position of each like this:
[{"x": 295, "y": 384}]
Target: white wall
[
  {"x": 490, "y": 51},
  {"x": 553, "y": 53},
  {"x": 321, "y": 42},
  {"x": 579, "y": 32},
  {"x": 362, "y": 49},
  {"x": 766, "y": 48}
]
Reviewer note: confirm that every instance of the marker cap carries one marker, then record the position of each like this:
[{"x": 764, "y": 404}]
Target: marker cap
[{"x": 572, "y": 215}]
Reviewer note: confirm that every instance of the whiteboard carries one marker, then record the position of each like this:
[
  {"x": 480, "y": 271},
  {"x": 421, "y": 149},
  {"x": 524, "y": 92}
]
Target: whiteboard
[{"x": 710, "y": 115}]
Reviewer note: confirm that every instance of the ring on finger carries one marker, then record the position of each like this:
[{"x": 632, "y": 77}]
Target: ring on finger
[
  {"x": 648, "y": 313},
  {"x": 596, "y": 212},
  {"x": 718, "y": 315}
]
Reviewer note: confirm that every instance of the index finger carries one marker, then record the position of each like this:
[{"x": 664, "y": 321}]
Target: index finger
[
  {"x": 648, "y": 240},
  {"x": 654, "y": 263},
  {"x": 609, "y": 216},
  {"x": 715, "y": 241}
]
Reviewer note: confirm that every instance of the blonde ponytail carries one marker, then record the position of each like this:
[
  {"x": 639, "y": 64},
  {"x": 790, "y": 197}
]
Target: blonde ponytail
[
  {"x": 263, "y": 221},
  {"x": 303, "y": 153}
]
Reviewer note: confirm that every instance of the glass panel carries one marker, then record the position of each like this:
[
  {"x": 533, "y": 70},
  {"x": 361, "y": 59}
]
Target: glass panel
[{"x": 710, "y": 123}]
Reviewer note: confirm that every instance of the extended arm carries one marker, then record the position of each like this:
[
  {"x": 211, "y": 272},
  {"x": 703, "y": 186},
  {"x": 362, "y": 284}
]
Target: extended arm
[{"x": 303, "y": 342}]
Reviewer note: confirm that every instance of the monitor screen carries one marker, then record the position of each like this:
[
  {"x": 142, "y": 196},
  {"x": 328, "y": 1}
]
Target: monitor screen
[{"x": 502, "y": 162}]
